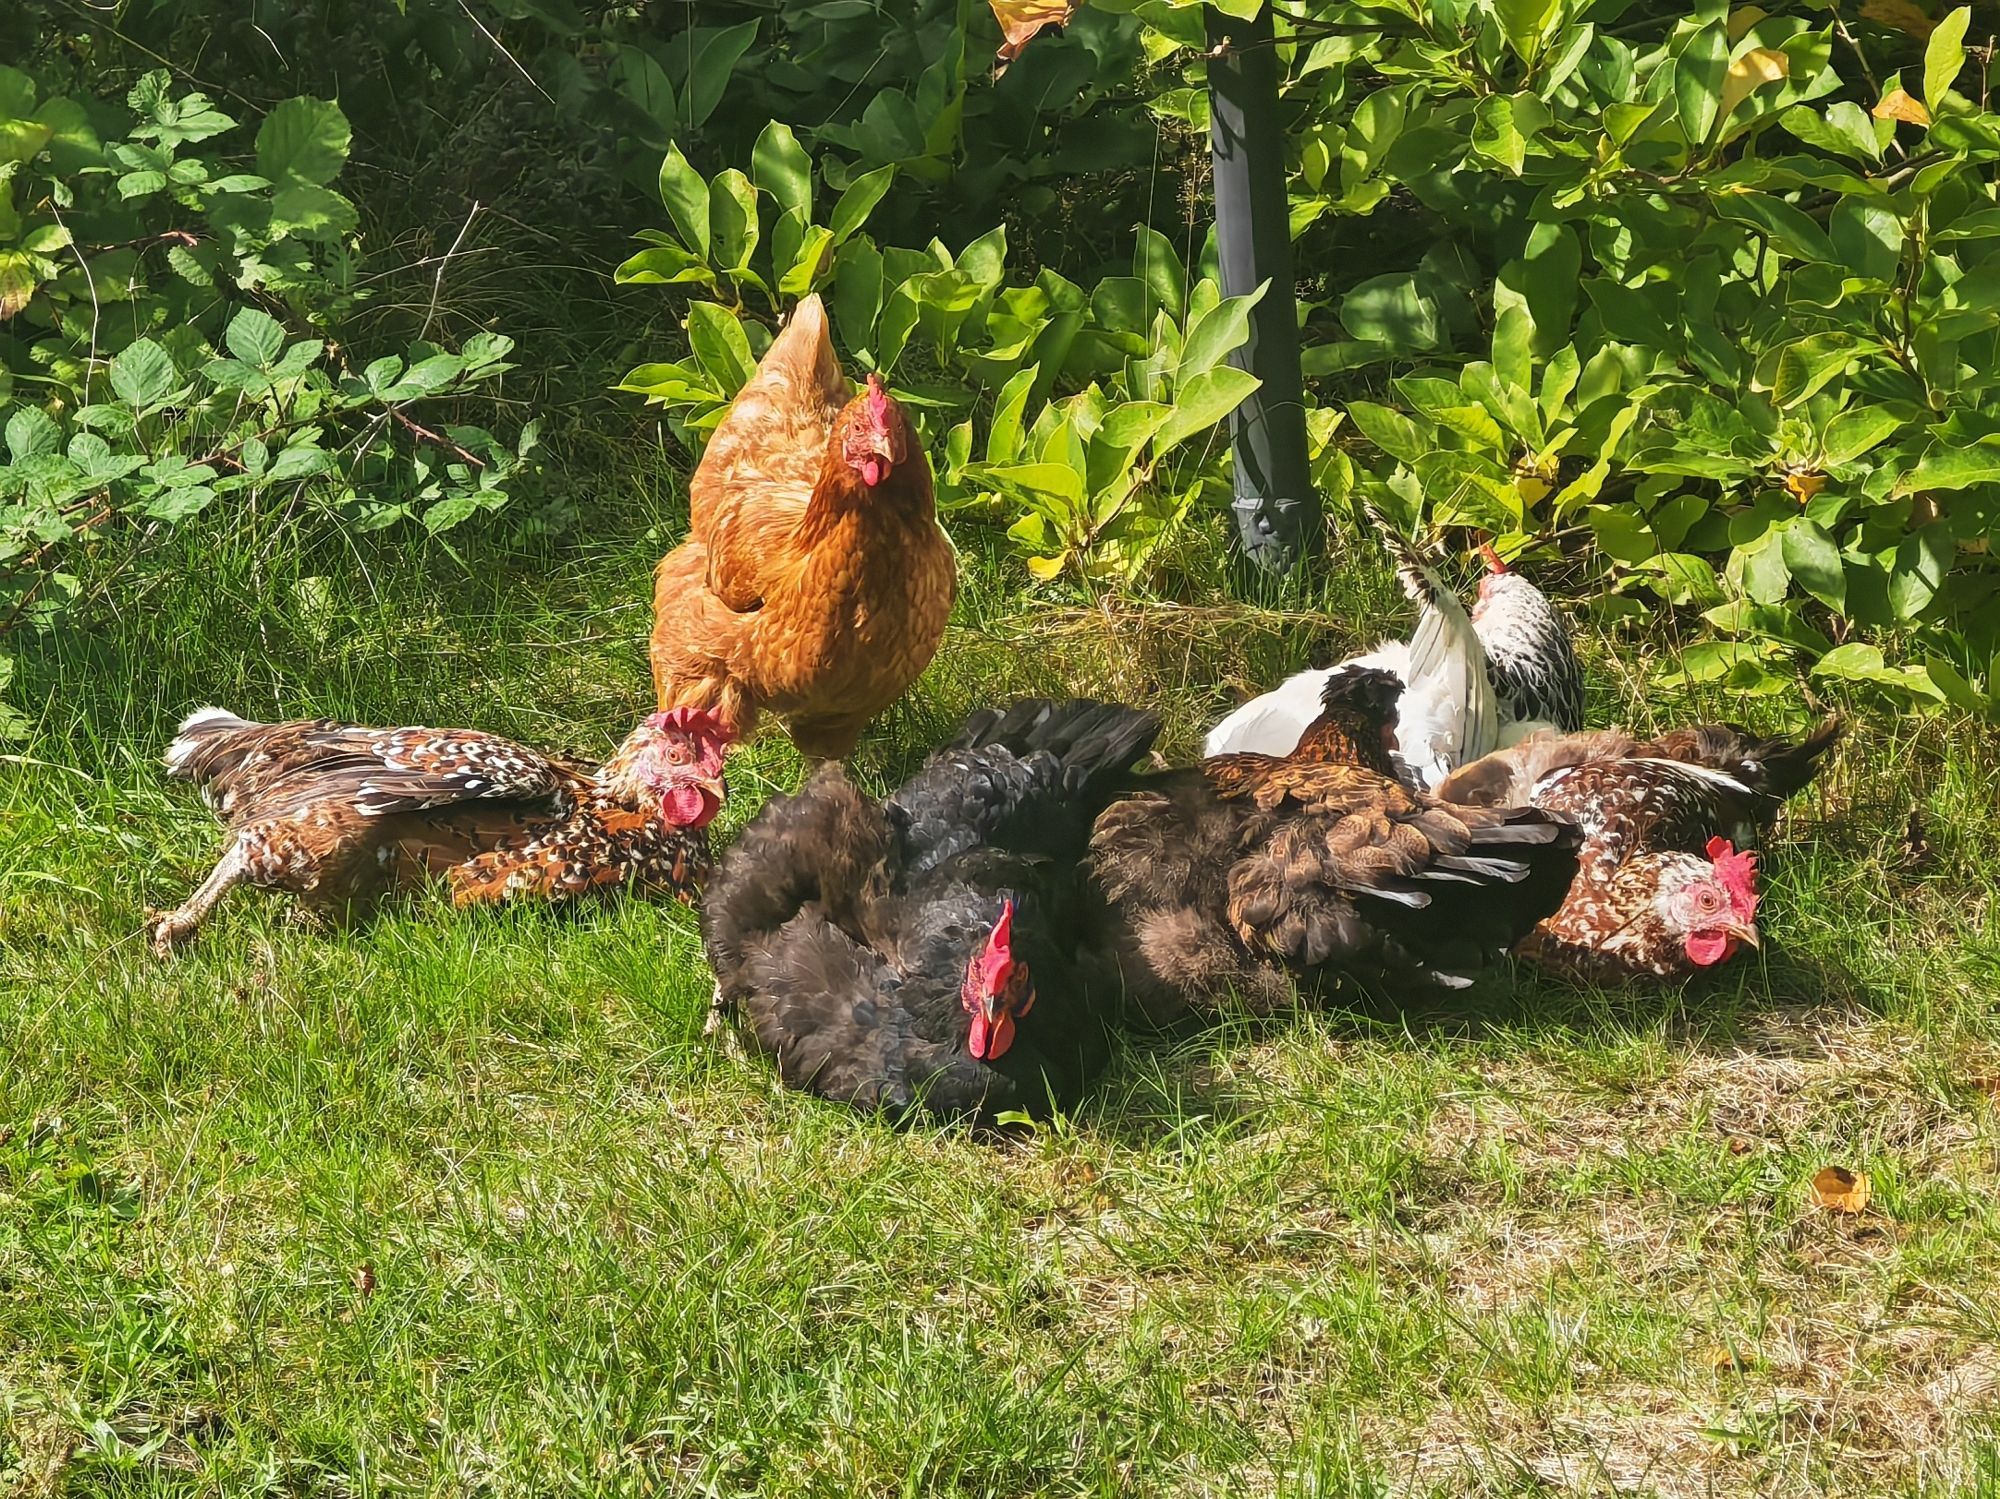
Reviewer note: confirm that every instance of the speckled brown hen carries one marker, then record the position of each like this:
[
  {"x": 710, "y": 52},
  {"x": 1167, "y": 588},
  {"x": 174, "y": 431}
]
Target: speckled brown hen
[
  {"x": 815, "y": 581},
  {"x": 337, "y": 814},
  {"x": 1665, "y": 884}
]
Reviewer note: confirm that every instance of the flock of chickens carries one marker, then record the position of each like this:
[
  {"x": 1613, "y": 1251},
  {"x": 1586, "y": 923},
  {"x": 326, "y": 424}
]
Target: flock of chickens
[{"x": 964, "y": 945}]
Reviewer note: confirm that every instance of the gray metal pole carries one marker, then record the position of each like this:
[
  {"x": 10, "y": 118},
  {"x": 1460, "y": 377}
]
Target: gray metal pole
[{"x": 1277, "y": 510}]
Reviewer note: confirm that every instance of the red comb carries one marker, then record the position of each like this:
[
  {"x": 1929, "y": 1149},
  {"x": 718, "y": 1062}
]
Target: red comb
[
  {"x": 878, "y": 397},
  {"x": 1002, "y": 940},
  {"x": 1493, "y": 562},
  {"x": 689, "y": 720},
  {"x": 1737, "y": 872}
]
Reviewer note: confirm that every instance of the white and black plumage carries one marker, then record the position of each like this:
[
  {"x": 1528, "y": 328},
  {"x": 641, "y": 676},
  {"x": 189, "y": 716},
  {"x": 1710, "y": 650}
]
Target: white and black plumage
[
  {"x": 924, "y": 953},
  {"x": 1665, "y": 881},
  {"x": 1471, "y": 684}
]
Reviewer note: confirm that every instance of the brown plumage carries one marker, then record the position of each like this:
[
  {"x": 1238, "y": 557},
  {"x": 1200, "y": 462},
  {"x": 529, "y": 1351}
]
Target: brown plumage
[
  {"x": 1665, "y": 884},
  {"x": 1227, "y": 882},
  {"x": 337, "y": 814},
  {"x": 815, "y": 581}
]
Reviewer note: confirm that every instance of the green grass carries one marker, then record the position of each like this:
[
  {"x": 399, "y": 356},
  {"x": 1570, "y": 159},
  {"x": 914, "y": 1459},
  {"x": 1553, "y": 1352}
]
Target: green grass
[{"x": 464, "y": 1203}]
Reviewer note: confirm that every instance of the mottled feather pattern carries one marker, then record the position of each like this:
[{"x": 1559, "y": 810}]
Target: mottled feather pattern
[
  {"x": 339, "y": 813},
  {"x": 1643, "y": 807}
]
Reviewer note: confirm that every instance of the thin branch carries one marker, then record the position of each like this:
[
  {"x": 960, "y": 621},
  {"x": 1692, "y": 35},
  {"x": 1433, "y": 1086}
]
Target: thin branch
[
  {"x": 437, "y": 280},
  {"x": 424, "y": 434},
  {"x": 501, "y": 48}
]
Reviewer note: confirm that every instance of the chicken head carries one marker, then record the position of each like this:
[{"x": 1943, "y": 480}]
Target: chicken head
[{"x": 998, "y": 991}]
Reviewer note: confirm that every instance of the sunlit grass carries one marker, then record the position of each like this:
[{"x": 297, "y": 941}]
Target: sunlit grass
[{"x": 466, "y": 1203}]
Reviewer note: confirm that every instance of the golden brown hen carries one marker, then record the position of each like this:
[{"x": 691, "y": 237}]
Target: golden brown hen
[
  {"x": 337, "y": 813},
  {"x": 815, "y": 581}
]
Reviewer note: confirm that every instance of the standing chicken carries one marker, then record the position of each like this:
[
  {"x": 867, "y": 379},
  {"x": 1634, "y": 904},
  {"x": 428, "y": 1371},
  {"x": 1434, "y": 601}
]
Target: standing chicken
[
  {"x": 1231, "y": 880},
  {"x": 923, "y": 952},
  {"x": 815, "y": 581},
  {"x": 1470, "y": 685},
  {"x": 337, "y": 814},
  {"x": 1661, "y": 888}
]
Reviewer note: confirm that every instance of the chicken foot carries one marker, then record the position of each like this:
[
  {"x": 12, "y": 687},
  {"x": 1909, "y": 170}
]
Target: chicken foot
[{"x": 167, "y": 930}]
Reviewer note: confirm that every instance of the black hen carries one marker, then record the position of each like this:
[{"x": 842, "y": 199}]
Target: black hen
[{"x": 922, "y": 953}]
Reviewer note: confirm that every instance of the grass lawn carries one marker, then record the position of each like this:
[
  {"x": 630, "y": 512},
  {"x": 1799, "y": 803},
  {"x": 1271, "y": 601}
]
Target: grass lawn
[{"x": 466, "y": 1204}]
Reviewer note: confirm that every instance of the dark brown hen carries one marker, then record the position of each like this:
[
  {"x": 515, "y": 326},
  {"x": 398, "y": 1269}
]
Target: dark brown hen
[
  {"x": 1666, "y": 883},
  {"x": 1230, "y": 882},
  {"x": 925, "y": 953},
  {"x": 338, "y": 813}
]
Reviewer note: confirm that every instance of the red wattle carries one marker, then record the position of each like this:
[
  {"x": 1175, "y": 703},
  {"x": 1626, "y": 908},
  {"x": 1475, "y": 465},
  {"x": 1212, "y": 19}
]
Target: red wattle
[
  {"x": 873, "y": 471},
  {"x": 1706, "y": 949},
  {"x": 688, "y": 807}
]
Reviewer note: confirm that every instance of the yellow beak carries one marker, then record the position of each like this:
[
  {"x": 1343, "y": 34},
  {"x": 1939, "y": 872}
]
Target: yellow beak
[{"x": 1746, "y": 933}]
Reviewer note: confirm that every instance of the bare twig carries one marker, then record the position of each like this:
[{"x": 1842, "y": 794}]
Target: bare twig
[
  {"x": 501, "y": 48},
  {"x": 437, "y": 280},
  {"x": 424, "y": 434}
]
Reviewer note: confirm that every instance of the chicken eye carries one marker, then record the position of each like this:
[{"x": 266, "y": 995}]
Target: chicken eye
[{"x": 677, "y": 753}]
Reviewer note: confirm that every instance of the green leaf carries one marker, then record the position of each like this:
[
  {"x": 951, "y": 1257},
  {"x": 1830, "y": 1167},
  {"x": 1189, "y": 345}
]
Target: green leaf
[
  {"x": 732, "y": 219},
  {"x": 31, "y": 433},
  {"x": 1698, "y": 75},
  {"x": 1922, "y": 560},
  {"x": 1496, "y": 136},
  {"x": 1391, "y": 310},
  {"x": 1944, "y": 55},
  {"x": 716, "y": 53},
  {"x": 1814, "y": 563},
  {"x": 1806, "y": 367},
  {"x": 1203, "y": 402},
  {"x": 1390, "y": 430},
  {"x": 142, "y": 374},
  {"x": 1003, "y": 437},
  {"x": 255, "y": 337},
  {"x": 1948, "y": 466},
  {"x": 686, "y": 198},
  {"x": 1792, "y": 231},
  {"x": 1525, "y": 23},
  {"x": 306, "y": 211},
  {"x": 1155, "y": 263},
  {"x": 1216, "y": 334},
  {"x": 781, "y": 167},
  {"x": 851, "y": 209},
  {"x": 815, "y": 254},
  {"x": 1853, "y": 433},
  {"x": 662, "y": 265},
  {"x": 721, "y": 346},
  {"x": 1854, "y": 661},
  {"x": 303, "y": 141}
]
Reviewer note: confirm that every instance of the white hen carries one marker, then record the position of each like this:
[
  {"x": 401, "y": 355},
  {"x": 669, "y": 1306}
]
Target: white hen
[{"x": 1460, "y": 699}]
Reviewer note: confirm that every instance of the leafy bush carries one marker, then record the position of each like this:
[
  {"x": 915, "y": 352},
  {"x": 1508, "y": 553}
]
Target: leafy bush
[
  {"x": 158, "y": 295},
  {"x": 1087, "y": 405},
  {"x": 1691, "y": 282}
]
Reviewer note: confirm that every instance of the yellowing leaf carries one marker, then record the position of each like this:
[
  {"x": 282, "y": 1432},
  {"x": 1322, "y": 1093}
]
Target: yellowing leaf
[
  {"x": 1741, "y": 20},
  {"x": 1724, "y": 1357},
  {"x": 1899, "y": 15},
  {"x": 1020, "y": 20},
  {"x": 1045, "y": 568},
  {"x": 1750, "y": 72},
  {"x": 1805, "y": 485},
  {"x": 1839, "y": 1190},
  {"x": 1898, "y": 105}
]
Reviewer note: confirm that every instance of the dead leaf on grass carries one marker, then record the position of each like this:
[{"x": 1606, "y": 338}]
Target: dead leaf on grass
[
  {"x": 364, "y": 1279},
  {"x": 1839, "y": 1190},
  {"x": 1725, "y": 1356}
]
